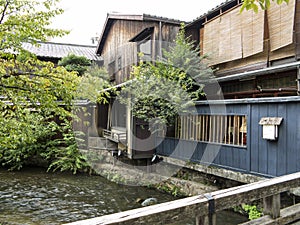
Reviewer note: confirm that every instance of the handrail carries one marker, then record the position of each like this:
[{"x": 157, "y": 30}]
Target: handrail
[
  {"x": 115, "y": 136},
  {"x": 199, "y": 206}
]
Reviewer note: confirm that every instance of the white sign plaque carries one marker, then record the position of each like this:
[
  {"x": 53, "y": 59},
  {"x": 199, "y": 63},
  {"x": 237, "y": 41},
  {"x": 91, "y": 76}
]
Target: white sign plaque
[{"x": 269, "y": 132}]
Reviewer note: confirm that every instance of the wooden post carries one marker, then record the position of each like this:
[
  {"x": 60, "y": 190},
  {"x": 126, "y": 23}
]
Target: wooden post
[
  {"x": 129, "y": 131},
  {"x": 205, "y": 220},
  {"x": 272, "y": 206}
]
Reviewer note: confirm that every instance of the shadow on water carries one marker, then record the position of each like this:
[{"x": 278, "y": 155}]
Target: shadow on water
[{"x": 32, "y": 196}]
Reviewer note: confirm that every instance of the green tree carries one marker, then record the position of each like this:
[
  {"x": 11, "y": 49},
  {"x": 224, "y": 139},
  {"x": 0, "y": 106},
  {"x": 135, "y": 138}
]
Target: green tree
[
  {"x": 263, "y": 4},
  {"x": 26, "y": 21},
  {"x": 36, "y": 98},
  {"x": 159, "y": 92},
  {"x": 92, "y": 84},
  {"x": 75, "y": 63}
]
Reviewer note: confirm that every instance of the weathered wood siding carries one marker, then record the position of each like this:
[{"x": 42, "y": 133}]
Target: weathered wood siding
[
  {"x": 119, "y": 54},
  {"x": 260, "y": 156}
]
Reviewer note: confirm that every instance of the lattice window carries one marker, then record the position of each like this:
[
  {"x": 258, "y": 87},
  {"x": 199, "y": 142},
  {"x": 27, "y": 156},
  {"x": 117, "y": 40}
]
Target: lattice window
[{"x": 221, "y": 129}]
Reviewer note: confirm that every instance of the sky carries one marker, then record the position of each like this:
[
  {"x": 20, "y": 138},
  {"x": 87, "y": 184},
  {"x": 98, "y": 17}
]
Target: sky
[{"x": 85, "y": 18}]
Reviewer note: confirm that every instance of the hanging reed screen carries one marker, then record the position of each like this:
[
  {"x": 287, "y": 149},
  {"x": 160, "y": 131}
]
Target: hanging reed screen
[
  {"x": 281, "y": 24},
  {"x": 233, "y": 35},
  {"x": 220, "y": 129}
]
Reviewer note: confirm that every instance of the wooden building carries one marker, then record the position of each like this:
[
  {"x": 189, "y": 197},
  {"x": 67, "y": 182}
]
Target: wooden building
[
  {"x": 123, "y": 39},
  {"x": 230, "y": 134},
  {"x": 255, "y": 129},
  {"x": 124, "y": 36},
  {"x": 254, "y": 54}
]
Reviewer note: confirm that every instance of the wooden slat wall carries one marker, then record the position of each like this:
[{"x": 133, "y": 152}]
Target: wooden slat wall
[
  {"x": 287, "y": 51},
  {"x": 281, "y": 24},
  {"x": 270, "y": 158},
  {"x": 225, "y": 129},
  {"x": 201, "y": 41}
]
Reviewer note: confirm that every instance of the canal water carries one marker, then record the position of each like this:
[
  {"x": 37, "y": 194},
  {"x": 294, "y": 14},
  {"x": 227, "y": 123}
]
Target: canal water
[{"x": 34, "y": 197}]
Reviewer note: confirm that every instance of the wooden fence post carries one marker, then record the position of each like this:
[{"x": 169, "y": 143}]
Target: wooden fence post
[
  {"x": 206, "y": 220},
  {"x": 272, "y": 206}
]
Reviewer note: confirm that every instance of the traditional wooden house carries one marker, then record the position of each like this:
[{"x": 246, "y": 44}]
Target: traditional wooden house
[
  {"x": 254, "y": 54},
  {"x": 122, "y": 40},
  {"x": 125, "y": 36},
  {"x": 255, "y": 129}
]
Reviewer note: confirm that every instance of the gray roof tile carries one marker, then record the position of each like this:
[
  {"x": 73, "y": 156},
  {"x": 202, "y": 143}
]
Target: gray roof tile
[{"x": 60, "y": 50}]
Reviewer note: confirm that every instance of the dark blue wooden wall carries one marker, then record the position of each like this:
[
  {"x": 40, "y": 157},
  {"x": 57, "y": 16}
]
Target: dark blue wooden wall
[{"x": 264, "y": 157}]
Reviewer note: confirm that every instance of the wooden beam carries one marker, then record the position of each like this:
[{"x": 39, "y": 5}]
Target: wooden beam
[
  {"x": 198, "y": 206},
  {"x": 272, "y": 206}
]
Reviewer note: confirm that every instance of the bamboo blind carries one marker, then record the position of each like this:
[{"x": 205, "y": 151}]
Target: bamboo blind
[
  {"x": 234, "y": 35},
  {"x": 252, "y": 32},
  {"x": 281, "y": 24},
  {"x": 230, "y": 44},
  {"x": 211, "y": 40}
]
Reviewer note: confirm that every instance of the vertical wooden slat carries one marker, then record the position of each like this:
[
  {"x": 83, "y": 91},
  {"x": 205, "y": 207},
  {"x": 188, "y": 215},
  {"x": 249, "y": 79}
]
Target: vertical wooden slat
[
  {"x": 238, "y": 130},
  {"x": 210, "y": 128},
  {"x": 226, "y": 129},
  {"x": 182, "y": 126},
  {"x": 231, "y": 130},
  {"x": 222, "y": 130},
  {"x": 197, "y": 127},
  {"x": 235, "y": 130},
  {"x": 204, "y": 128},
  {"x": 185, "y": 127},
  {"x": 214, "y": 129},
  {"x": 194, "y": 127}
]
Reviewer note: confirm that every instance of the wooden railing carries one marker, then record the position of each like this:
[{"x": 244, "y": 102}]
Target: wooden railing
[
  {"x": 115, "y": 136},
  {"x": 204, "y": 207}
]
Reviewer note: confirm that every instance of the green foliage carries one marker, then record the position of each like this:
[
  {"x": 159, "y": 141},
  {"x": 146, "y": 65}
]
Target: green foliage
[
  {"x": 26, "y": 21},
  {"x": 92, "y": 83},
  {"x": 170, "y": 188},
  {"x": 185, "y": 56},
  {"x": 33, "y": 94},
  {"x": 66, "y": 156},
  {"x": 35, "y": 97},
  {"x": 156, "y": 94},
  {"x": 252, "y": 211},
  {"x": 256, "y": 4},
  {"x": 75, "y": 63},
  {"x": 159, "y": 92}
]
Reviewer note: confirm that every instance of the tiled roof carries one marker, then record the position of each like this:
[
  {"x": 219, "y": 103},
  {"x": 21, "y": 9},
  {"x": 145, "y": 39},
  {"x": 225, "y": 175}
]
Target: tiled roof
[
  {"x": 227, "y": 4},
  {"x": 60, "y": 50},
  {"x": 143, "y": 17}
]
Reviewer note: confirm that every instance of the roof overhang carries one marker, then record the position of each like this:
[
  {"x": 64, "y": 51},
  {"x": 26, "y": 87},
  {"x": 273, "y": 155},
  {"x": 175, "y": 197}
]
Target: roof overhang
[
  {"x": 112, "y": 17},
  {"x": 260, "y": 72},
  {"x": 142, "y": 35}
]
